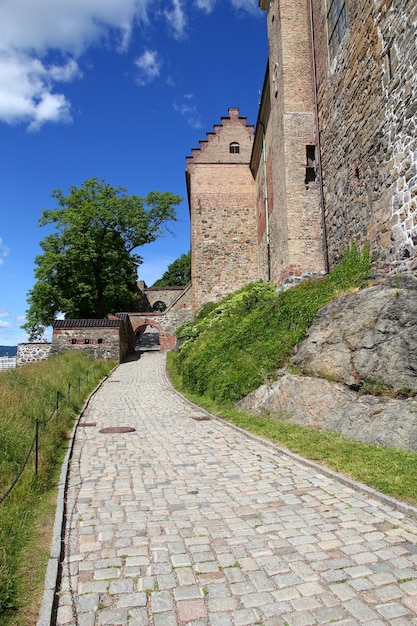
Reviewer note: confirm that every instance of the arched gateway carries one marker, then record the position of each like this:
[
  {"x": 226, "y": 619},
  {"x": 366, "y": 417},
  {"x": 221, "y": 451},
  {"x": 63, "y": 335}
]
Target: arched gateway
[{"x": 167, "y": 340}]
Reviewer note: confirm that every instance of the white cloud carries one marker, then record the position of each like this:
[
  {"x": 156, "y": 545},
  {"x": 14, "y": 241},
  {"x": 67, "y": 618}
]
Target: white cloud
[
  {"x": 205, "y": 5},
  {"x": 251, "y": 6},
  {"x": 41, "y": 43},
  {"x": 149, "y": 66},
  {"x": 4, "y": 251},
  {"x": 31, "y": 31},
  {"x": 4, "y": 324},
  {"x": 176, "y": 19},
  {"x": 188, "y": 110}
]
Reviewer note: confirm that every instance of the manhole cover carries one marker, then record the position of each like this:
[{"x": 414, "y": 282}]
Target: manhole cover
[
  {"x": 118, "y": 429},
  {"x": 86, "y": 424},
  {"x": 201, "y": 418}
]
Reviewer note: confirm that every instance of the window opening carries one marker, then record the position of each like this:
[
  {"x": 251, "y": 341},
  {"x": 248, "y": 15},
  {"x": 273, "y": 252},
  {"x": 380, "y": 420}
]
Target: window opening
[
  {"x": 234, "y": 148},
  {"x": 336, "y": 24},
  {"x": 310, "y": 164},
  {"x": 159, "y": 306},
  {"x": 86, "y": 341},
  {"x": 73, "y": 341},
  {"x": 100, "y": 340}
]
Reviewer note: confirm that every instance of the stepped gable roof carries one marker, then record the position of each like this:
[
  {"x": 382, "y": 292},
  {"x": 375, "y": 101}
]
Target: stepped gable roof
[
  {"x": 87, "y": 323},
  {"x": 233, "y": 118}
]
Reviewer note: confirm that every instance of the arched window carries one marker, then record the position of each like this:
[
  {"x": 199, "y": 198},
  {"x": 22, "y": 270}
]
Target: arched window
[
  {"x": 159, "y": 306},
  {"x": 234, "y": 148}
]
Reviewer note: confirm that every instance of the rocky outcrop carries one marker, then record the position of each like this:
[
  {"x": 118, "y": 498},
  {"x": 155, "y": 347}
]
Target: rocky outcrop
[
  {"x": 367, "y": 339},
  {"x": 367, "y": 336}
]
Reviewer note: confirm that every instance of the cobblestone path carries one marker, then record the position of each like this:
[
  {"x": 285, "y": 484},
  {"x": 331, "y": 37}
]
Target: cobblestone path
[{"x": 188, "y": 521}]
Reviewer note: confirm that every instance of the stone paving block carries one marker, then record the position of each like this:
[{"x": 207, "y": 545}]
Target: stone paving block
[
  {"x": 124, "y": 585},
  {"x": 190, "y": 592},
  {"x": 360, "y": 610},
  {"x": 138, "y": 617},
  {"x": 88, "y": 603},
  {"x": 128, "y": 600},
  {"x": 161, "y": 601},
  {"x": 256, "y": 599},
  {"x": 185, "y": 576},
  {"x": 113, "y": 617},
  {"x": 244, "y": 617},
  {"x": 392, "y": 610},
  {"x": 106, "y": 573},
  {"x": 164, "y": 619},
  {"x": 299, "y": 618},
  {"x": 86, "y": 619},
  {"x": 191, "y": 610}
]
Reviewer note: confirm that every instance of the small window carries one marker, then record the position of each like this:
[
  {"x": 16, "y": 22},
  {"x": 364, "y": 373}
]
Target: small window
[
  {"x": 73, "y": 341},
  {"x": 99, "y": 340},
  {"x": 310, "y": 164},
  {"x": 336, "y": 24},
  {"x": 86, "y": 341},
  {"x": 159, "y": 306},
  {"x": 234, "y": 148}
]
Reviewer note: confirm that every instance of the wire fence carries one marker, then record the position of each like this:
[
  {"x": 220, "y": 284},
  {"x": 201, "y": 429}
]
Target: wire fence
[{"x": 34, "y": 446}]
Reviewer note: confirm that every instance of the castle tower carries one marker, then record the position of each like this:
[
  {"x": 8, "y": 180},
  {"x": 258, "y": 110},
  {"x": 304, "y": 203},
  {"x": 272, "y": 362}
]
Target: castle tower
[
  {"x": 221, "y": 196},
  {"x": 285, "y": 156}
]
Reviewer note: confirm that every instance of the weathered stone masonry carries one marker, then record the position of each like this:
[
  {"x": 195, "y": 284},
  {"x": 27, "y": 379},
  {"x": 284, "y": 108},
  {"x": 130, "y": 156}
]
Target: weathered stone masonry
[{"x": 367, "y": 115}]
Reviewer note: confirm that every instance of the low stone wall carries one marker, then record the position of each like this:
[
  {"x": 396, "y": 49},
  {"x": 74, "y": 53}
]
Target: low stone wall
[
  {"x": 32, "y": 352},
  {"x": 98, "y": 343}
]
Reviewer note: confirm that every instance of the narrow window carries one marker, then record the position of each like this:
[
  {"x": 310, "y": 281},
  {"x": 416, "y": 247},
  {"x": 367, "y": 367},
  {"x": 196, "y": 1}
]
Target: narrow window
[
  {"x": 234, "y": 148},
  {"x": 336, "y": 24},
  {"x": 99, "y": 340},
  {"x": 73, "y": 341},
  {"x": 310, "y": 164},
  {"x": 86, "y": 341}
]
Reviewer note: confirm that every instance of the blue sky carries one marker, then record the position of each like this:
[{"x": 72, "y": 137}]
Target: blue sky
[{"x": 121, "y": 90}]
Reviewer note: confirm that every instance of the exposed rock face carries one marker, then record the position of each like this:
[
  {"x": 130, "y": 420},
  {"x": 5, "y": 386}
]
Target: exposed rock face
[{"x": 368, "y": 336}]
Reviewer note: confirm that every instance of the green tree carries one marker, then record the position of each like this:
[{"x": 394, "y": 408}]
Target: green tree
[
  {"x": 88, "y": 268},
  {"x": 178, "y": 273}
]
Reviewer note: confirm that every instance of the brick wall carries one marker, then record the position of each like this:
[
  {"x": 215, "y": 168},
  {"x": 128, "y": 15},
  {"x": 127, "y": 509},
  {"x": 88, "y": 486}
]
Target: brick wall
[{"x": 296, "y": 237}]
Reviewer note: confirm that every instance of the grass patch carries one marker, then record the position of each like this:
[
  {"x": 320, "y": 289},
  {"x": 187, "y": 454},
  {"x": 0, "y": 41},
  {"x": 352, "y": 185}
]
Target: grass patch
[
  {"x": 388, "y": 470},
  {"x": 235, "y": 345},
  {"x": 28, "y": 394}
]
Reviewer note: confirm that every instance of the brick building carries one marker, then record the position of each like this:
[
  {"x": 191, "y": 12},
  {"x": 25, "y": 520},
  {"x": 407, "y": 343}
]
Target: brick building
[
  {"x": 332, "y": 161},
  {"x": 99, "y": 338},
  {"x": 221, "y": 195}
]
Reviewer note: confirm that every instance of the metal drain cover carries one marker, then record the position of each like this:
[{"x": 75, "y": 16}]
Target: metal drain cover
[
  {"x": 85, "y": 424},
  {"x": 117, "y": 429},
  {"x": 201, "y": 418}
]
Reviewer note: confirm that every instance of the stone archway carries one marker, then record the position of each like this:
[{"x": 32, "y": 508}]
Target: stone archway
[{"x": 166, "y": 341}]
